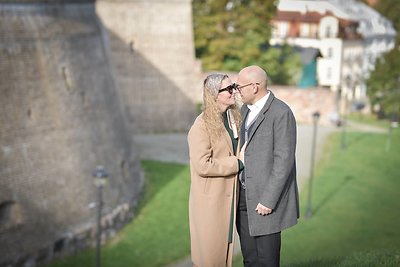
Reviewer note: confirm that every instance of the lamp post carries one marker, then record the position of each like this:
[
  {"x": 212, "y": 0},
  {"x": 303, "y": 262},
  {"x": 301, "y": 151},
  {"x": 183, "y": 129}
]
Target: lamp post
[
  {"x": 100, "y": 176},
  {"x": 345, "y": 103},
  {"x": 315, "y": 116}
]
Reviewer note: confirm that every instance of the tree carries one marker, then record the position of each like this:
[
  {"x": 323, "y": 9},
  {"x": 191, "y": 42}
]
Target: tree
[
  {"x": 229, "y": 34},
  {"x": 384, "y": 84},
  {"x": 232, "y": 34},
  {"x": 391, "y": 10}
]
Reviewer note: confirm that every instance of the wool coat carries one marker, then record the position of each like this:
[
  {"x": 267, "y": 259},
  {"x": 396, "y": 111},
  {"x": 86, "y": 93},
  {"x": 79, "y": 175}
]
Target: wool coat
[
  {"x": 213, "y": 190},
  {"x": 270, "y": 168}
]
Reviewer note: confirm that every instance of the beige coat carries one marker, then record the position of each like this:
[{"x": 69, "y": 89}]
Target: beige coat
[{"x": 214, "y": 168}]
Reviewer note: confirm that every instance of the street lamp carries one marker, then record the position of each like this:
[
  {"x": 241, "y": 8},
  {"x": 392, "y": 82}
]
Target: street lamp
[
  {"x": 348, "y": 84},
  {"x": 315, "y": 116},
  {"x": 100, "y": 176}
]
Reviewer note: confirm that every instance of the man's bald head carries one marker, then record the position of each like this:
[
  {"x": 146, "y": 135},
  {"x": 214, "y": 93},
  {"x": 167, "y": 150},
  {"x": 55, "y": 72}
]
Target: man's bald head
[{"x": 255, "y": 74}]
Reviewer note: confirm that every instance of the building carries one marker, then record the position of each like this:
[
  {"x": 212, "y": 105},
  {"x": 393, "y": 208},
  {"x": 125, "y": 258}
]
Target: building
[{"x": 349, "y": 34}]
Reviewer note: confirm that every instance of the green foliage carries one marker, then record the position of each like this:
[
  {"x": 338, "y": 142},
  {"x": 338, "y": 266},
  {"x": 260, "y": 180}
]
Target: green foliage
[
  {"x": 282, "y": 64},
  {"x": 231, "y": 31},
  {"x": 230, "y": 35},
  {"x": 384, "y": 83},
  {"x": 391, "y": 10}
]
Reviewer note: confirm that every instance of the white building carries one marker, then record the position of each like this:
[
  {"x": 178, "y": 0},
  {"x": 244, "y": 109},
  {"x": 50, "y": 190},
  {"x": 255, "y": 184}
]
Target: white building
[{"x": 349, "y": 34}]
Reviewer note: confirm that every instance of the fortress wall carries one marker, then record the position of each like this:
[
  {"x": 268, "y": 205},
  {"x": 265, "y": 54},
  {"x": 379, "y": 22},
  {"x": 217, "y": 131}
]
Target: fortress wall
[
  {"x": 152, "y": 50},
  {"x": 60, "y": 116}
]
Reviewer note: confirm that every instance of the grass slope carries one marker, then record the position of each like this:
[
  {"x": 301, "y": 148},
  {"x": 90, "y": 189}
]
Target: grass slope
[{"x": 159, "y": 234}]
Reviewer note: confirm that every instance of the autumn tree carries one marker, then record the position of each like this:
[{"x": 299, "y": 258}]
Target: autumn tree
[
  {"x": 232, "y": 34},
  {"x": 384, "y": 82}
]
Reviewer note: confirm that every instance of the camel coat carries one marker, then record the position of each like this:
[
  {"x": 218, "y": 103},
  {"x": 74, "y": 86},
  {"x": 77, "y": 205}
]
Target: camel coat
[{"x": 213, "y": 168}]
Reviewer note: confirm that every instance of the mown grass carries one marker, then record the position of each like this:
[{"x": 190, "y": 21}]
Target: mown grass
[
  {"x": 370, "y": 119},
  {"x": 355, "y": 207},
  {"x": 159, "y": 234},
  {"x": 355, "y": 213}
]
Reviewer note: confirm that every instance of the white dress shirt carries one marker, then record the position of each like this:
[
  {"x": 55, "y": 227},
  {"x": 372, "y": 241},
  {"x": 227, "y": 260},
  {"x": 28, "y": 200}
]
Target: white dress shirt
[{"x": 255, "y": 109}]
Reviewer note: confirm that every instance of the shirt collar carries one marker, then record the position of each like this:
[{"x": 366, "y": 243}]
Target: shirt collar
[{"x": 260, "y": 103}]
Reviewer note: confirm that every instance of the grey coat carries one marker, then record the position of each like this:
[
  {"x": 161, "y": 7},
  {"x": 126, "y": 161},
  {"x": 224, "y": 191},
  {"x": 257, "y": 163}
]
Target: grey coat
[{"x": 270, "y": 168}]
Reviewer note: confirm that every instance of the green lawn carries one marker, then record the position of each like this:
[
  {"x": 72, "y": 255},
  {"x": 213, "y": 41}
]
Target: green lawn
[
  {"x": 355, "y": 221},
  {"x": 356, "y": 207},
  {"x": 159, "y": 234},
  {"x": 369, "y": 119}
]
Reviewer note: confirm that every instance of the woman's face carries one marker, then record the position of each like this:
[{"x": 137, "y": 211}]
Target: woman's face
[{"x": 224, "y": 98}]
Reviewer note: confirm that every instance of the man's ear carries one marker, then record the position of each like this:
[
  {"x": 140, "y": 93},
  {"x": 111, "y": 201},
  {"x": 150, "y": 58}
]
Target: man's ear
[{"x": 255, "y": 89}]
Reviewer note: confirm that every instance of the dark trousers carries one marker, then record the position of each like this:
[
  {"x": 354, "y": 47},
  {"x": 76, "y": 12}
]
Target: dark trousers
[{"x": 257, "y": 251}]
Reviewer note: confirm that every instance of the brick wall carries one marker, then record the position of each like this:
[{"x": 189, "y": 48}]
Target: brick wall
[
  {"x": 304, "y": 102},
  {"x": 60, "y": 116},
  {"x": 152, "y": 50}
]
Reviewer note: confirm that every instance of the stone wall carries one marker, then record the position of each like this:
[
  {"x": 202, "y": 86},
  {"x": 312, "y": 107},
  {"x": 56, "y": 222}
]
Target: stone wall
[
  {"x": 60, "y": 117},
  {"x": 152, "y": 50},
  {"x": 304, "y": 102}
]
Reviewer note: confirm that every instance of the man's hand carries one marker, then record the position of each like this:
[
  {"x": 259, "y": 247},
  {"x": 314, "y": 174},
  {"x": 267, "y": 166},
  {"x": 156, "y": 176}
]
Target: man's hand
[{"x": 262, "y": 210}]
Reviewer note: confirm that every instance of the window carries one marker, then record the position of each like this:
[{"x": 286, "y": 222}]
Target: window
[
  {"x": 329, "y": 73},
  {"x": 328, "y": 31},
  {"x": 330, "y": 52},
  {"x": 305, "y": 30},
  {"x": 283, "y": 28}
]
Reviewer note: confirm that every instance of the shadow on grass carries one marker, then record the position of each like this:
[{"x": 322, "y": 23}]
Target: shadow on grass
[
  {"x": 336, "y": 190},
  {"x": 160, "y": 223}
]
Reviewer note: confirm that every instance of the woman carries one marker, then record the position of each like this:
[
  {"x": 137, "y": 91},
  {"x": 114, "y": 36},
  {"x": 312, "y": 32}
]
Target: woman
[{"x": 213, "y": 144}]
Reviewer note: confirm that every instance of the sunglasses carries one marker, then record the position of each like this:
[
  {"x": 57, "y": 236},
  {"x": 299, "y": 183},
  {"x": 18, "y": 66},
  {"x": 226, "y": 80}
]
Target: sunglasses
[{"x": 229, "y": 88}]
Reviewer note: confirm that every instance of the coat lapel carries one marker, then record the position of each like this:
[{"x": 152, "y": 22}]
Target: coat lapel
[{"x": 261, "y": 116}]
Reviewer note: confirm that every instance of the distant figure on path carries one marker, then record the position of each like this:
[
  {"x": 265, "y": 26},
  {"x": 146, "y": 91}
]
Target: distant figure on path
[{"x": 214, "y": 165}]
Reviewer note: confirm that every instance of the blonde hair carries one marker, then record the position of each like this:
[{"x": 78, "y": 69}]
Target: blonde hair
[{"x": 212, "y": 116}]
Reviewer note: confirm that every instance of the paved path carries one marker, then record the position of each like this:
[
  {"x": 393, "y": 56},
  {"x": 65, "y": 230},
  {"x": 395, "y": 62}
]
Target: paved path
[{"x": 174, "y": 148}]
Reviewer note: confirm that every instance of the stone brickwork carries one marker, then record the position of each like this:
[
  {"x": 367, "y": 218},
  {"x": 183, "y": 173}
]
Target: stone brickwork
[
  {"x": 304, "y": 102},
  {"x": 152, "y": 50},
  {"x": 60, "y": 116}
]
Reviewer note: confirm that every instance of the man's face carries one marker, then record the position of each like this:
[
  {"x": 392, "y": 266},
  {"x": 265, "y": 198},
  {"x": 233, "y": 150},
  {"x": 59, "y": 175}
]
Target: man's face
[{"x": 245, "y": 89}]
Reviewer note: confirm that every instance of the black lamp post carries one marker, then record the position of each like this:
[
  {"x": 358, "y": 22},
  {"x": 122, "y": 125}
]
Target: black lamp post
[
  {"x": 344, "y": 122},
  {"x": 315, "y": 116},
  {"x": 100, "y": 176}
]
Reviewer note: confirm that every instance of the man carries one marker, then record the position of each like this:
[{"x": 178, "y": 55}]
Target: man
[{"x": 268, "y": 198}]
